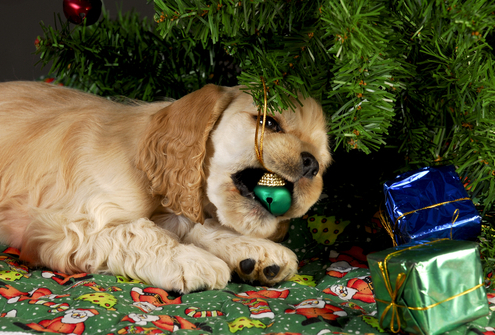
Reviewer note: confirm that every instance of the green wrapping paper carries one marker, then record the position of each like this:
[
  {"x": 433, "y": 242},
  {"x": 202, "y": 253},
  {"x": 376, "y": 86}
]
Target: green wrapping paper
[{"x": 428, "y": 288}]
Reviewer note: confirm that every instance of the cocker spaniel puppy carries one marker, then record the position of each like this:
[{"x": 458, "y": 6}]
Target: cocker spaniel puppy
[{"x": 160, "y": 192}]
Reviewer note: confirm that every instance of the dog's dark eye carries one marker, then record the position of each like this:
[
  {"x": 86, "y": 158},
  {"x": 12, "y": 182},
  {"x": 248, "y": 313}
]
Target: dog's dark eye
[{"x": 271, "y": 124}]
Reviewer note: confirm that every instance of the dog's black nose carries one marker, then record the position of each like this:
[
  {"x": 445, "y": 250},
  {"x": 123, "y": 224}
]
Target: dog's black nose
[{"x": 310, "y": 165}]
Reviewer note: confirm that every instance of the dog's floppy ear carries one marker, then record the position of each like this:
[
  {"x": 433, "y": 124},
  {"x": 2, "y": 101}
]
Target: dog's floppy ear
[{"x": 173, "y": 149}]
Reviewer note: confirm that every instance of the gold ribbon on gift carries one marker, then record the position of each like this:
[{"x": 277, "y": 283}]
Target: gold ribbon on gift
[
  {"x": 399, "y": 281},
  {"x": 391, "y": 229},
  {"x": 455, "y": 216}
]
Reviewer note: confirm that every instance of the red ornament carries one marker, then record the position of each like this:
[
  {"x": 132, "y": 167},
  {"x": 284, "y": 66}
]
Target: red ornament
[{"x": 76, "y": 11}]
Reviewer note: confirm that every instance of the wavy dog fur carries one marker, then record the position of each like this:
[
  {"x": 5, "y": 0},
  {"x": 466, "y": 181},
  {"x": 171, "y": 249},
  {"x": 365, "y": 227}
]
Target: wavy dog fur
[{"x": 91, "y": 185}]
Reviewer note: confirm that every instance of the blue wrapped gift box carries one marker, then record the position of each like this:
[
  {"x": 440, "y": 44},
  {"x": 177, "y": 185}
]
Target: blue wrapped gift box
[{"x": 430, "y": 203}]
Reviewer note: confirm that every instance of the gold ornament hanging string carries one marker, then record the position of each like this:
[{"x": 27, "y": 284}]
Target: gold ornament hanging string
[
  {"x": 270, "y": 178},
  {"x": 258, "y": 147}
]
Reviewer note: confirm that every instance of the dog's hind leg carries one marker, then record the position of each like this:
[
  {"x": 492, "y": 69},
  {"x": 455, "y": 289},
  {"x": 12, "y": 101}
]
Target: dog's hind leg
[{"x": 139, "y": 250}]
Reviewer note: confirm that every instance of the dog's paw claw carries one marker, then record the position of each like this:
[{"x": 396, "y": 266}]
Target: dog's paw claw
[
  {"x": 247, "y": 265},
  {"x": 271, "y": 271}
]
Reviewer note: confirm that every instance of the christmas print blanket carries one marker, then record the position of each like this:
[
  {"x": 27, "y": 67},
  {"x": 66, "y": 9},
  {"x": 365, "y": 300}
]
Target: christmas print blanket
[{"x": 333, "y": 293}]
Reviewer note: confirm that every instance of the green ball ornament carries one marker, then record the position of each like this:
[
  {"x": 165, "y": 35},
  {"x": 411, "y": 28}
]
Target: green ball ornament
[{"x": 275, "y": 197}]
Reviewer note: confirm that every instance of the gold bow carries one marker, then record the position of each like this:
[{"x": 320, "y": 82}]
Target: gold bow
[{"x": 401, "y": 278}]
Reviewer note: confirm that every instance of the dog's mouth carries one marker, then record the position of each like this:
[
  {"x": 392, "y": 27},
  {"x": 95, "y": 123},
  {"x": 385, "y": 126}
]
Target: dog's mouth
[{"x": 246, "y": 181}]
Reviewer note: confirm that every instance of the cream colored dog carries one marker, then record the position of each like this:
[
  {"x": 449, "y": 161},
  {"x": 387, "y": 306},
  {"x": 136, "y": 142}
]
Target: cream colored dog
[{"x": 160, "y": 192}]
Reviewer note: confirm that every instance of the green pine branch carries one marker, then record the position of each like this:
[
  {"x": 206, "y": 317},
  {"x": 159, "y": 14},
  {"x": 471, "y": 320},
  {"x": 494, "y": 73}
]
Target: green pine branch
[
  {"x": 127, "y": 57},
  {"x": 414, "y": 76}
]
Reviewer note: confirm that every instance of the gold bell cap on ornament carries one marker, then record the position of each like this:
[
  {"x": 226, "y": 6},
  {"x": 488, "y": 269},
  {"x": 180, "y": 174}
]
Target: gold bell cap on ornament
[
  {"x": 272, "y": 194},
  {"x": 271, "y": 179}
]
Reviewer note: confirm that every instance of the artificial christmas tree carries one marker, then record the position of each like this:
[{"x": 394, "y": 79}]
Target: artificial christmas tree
[{"x": 415, "y": 76}]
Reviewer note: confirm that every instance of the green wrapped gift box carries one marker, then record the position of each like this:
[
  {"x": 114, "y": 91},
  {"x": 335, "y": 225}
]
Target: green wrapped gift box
[{"x": 428, "y": 288}]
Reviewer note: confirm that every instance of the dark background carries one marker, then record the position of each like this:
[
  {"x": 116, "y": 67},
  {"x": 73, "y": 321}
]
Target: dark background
[{"x": 20, "y": 25}]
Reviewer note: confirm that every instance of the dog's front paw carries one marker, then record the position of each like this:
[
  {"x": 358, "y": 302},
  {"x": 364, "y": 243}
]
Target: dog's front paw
[
  {"x": 191, "y": 269},
  {"x": 266, "y": 262}
]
